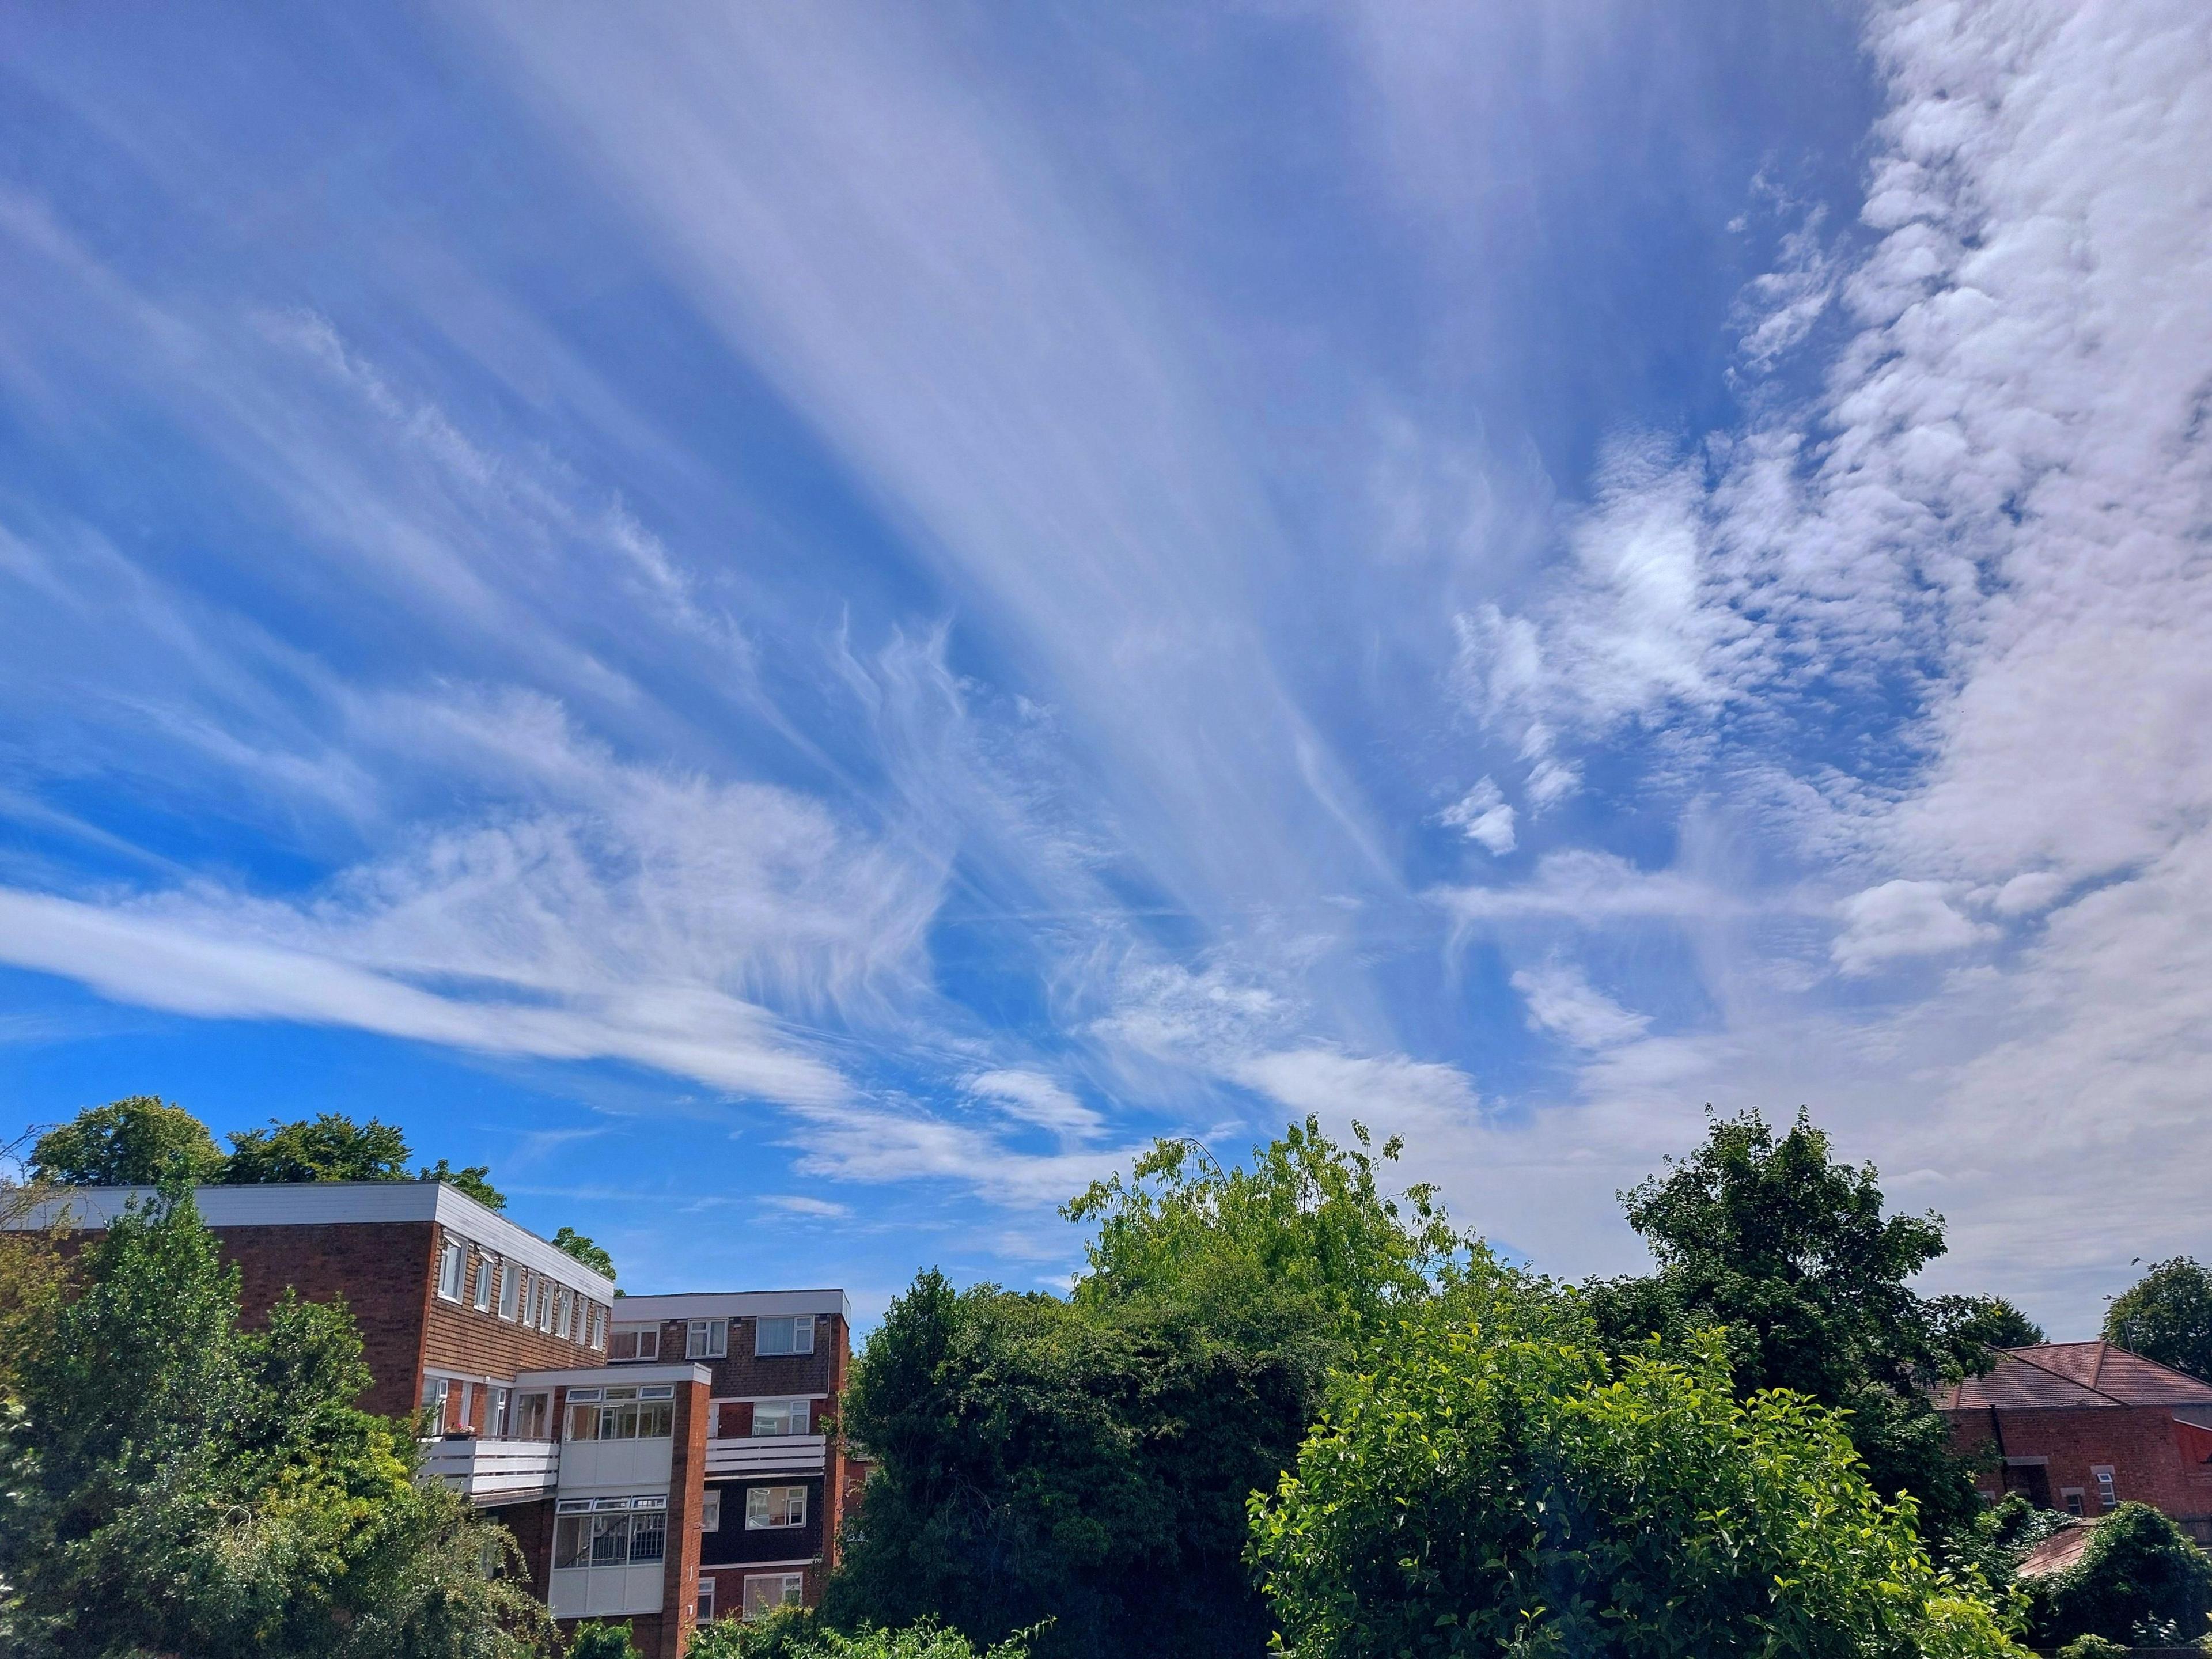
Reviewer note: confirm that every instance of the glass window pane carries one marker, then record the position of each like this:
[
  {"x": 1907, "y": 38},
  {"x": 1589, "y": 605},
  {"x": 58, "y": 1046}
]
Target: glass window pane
[
  {"x": 570, "y": 1533},
  {"x": 610, "y": 1540},
  {"x": 584, "y": 1421},
  {"x": 648, "y": 1538}
]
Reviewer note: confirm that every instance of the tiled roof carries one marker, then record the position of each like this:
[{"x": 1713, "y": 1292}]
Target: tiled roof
[
  {"x": 2063, "y": 1374},
  {"x": 2056, "y": 1552}
]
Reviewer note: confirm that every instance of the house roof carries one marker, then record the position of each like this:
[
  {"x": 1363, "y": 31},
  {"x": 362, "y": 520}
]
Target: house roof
[
  {"x": 2056, "y": 1552},
  {"x": 2073, "y": 1374}
]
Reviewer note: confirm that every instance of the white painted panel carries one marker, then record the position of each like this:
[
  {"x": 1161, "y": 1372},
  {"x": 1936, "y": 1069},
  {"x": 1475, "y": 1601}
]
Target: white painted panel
[
  {"x": 766, "y": 1453},
  {"x": 628, "y": 1466},
  {"x": 567, "y": 1600}
]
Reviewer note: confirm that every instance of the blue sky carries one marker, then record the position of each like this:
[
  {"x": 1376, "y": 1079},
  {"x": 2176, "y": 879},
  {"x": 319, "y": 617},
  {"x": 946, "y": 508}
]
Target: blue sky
[{"x": 800, "y": 627}]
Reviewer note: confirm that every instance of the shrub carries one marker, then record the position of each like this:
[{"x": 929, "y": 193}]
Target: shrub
[{"x": 2139, "y": 1573}]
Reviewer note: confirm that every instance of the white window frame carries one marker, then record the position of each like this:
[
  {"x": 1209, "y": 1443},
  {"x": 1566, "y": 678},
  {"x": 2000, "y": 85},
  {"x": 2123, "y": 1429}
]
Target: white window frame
[
  {"x": 437, "y": 1392},
  {"x": 707, "y": 1338},
  {"x": 703, "y": 1614},
  {"x": 800, "y": 1328},
  {"x": 803, "y": 1408},
  {"x": 710, "y": 1510},
  {"x": 790, "y": 1589},
  {"x": 510, "y": 1289},
  {"x": 763, "y": 1499},
  {"x": 486, "y": 1267},
  {"x": 453, "y": 1268},
  {"x": 2108, "y": 1495},
  {"x": 500, "y": 1418}
]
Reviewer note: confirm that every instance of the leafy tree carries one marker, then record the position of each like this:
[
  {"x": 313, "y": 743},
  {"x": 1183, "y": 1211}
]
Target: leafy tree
[
  {"x": 1480, "y": 1492},
  {"x": 797, "y": 1634},
  {"x": 475, "y": 1180},
  {"x": 327, "y": 1147},
  {"x": 604, "y": 1638},
  {"x": 1088, "y": 1459},
  {"x": 1769, "y": 1237},
  {"x": 178, "y": 1485},
  {"x": 1966, "y": 1323},
  {"x": 126, "y": 1143},
  {"x": 585, "y": 1251},
  {"x": 2139, "y": 1580},
  {"x": 33, "y": 1275},
  {"x": 2167, "y": 1315}
]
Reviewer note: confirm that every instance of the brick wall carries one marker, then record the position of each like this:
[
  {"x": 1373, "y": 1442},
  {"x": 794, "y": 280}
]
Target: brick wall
[
  {"x": 460, "y": 1338},
  {"x": 2137, "y": 1442},
  {"x": 384, "y": 1272}
]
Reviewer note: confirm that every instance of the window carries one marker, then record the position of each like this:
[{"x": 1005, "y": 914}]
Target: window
[
  {"x": 2071, "y": 1498},
  {"x": 793, "y": 1333},
  {"x": 635, "y": 1342},
  {"x": 646, "y": 1414},
  {"x": 766, "y": 1592},
  {"x": 486, "y": 1268},
  {"x": 437, "y": 1391},
  {"x": 779, "y": 1416},
  {"x": 599, "y": 1326},
  {"x": 707, "y": 1338},
  {"x": 465, "y": 1415},
  {"x": 451, "y": 1262},
  {"x": 610, "y": 1532},
  {"x": 706, "y": 1598},
  {"x": 2107, "y": 1497},
  {"x": 541, "y": 1303},
  {"x": 564, "y": 1311},
  {"x": 510, "y": 1287},
  {"x": 533, "y": 1417},
  {"x": 775, "y": 1506},
  {"x": 710, "y": 1512},
  {"x": 496, "y": 1420}
]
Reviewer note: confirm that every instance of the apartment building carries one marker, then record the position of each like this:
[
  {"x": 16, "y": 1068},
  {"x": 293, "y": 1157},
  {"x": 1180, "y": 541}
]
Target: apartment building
[{"x": 661, "y": 1459}]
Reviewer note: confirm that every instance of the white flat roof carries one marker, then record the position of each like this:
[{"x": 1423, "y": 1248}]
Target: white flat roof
[
  {"x": 342, "y": 1203},
  {"x": 584, "y": 1377},
  {"x": 730, "y": 1305}
]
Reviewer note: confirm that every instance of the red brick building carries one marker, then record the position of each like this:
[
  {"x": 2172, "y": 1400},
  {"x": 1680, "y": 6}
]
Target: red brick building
[
  {"x": 2085, "y": 1426},
  {"x": 661, "y": 1459}
]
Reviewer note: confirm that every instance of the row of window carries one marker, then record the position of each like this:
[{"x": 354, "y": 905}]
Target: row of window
[
  {"x": 647, "y": 1411},
  {"x": 610, "y": 1532},
  {"x": 764, "y": 1593},
  {"x": 519, "y": 1295},
  {"x": 640, "y": 1414},
  {"x": 710, "y": 1338},
  {"x": 767, "y": 1509}
]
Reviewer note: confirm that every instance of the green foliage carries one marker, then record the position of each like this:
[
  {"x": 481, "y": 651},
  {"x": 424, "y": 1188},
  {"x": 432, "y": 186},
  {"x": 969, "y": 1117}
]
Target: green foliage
[
  {"x": 1481, "y": 1491},
  {"x": 1088, "y": 1460},
  {"x": 1966, "y": 1323},
  {"x": 2167, "y": 1315},
  {"x": 126, "y": 1143},
  {"x": 1789, "y": 1250},
  {"x": 475, "y": 1180},
  {"x": 327, "y": 1147},
  {"x": 604, "y": 1638},
  {"x": 2001, "y": 1534},
  {"x": 180, "y": 1486},
  {"x": 797, "y": 1633},
  {"x": 585, "y": 1251},
  {"x": 2140, "y": 1580},
  {"x": 2094, "y": 1646},
  {"x": 33, "y": 1275}
]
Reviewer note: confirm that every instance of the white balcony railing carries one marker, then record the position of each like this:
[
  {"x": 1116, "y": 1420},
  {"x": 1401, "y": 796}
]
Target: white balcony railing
[
  {"x": 765, "y": 1454},
  {"x": 495, "y": 1471}
]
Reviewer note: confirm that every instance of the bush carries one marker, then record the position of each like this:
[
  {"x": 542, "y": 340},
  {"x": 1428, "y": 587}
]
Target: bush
[
  {"x": 799, "y": 1634},
  {"x": 1475, "y": 1493},
  {"x": 2093, "y": 1647},
  {"x": 604, "y": 1640},
  {"x": 2139, "y": 1577}
]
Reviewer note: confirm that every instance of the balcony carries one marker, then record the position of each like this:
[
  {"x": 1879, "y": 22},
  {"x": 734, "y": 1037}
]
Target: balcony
[
  {"x": 765, "y": 1454},
  {"x": 488, "y": 1472}
]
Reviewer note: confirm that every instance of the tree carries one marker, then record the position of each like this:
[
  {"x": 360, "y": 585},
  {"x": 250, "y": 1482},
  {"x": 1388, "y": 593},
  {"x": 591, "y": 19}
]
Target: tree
[
  {"x": 1769, "y": 1237},
  {"x": 1473, "y": 1491},
  {"x": 1087, "y": 1460},
  {"x": 33, "y": 1272},
  {"x": 180, "y": 1485},
  {"x": 797, "y": 1634},
  {"x": 602, "y": 1638},
  {"x": 475, "y": 1180},
  {"x": 126, "y": 1143},
  {"x": 1990, "y": 1322},
  {"x": 585, "y": 1251},
  {"x": 2139, "y": 1581},
  {"x": 327, "y": 1147},
  {"x": 2167, "y": 1315}
]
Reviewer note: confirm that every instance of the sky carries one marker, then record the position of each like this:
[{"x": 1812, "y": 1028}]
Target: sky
[{"x": 800, "y": 627}]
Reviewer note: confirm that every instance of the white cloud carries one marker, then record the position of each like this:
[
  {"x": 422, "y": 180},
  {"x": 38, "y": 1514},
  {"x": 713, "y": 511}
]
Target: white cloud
[
  {"x": 1482, "y": 816},
  {"x": 800, "y": 1205},
  {"x": 1901, "y": 918},
  {"x": 1560, "y": 1000},
  {"x": 1577, "y": 884},
  {"x": 1032, "y": 1097},
  {"x": 1390, "y": 1092}
]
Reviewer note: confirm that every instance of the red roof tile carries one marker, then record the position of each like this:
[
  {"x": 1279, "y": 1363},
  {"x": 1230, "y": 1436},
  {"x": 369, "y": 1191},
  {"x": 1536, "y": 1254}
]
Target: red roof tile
[{"x": 2073, "y": 1374}]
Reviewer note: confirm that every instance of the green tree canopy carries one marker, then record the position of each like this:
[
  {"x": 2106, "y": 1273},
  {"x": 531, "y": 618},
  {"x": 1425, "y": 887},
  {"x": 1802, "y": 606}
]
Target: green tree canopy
[
  {"x": 329, "y": 1146},
  {"x": 797, "y": 1634},
  {"x": 2167, "y": 1315},
  {"x": 1771, "y": 1238},
  {"x": 1967, "y": 1322},
  {"x": 180, "y": 1485},
  {"x": 1478, "y": 1493},
  {"x": 585, "y": 1250},
  {"x": 126, "y": 1143},
  {"x": 475, "y": 1180},
  {"x": 1087, "y": 1460},
  {"x": 2139, "y": 1581}
]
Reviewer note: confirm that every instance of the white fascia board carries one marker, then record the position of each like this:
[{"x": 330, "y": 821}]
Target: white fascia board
[
  {"x": 342, "y": 1203},
  {"x": 591, "y": 1375},
  {"x": 731, "y": 1304}
]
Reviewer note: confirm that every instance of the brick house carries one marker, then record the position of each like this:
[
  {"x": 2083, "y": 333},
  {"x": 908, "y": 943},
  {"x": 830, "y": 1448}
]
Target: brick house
[
  {"x": 2085, "y": 1426},
  {"x": 662, "y": 1459}
]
